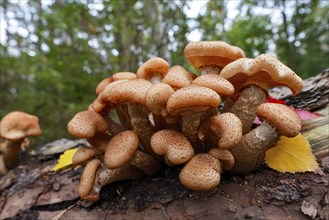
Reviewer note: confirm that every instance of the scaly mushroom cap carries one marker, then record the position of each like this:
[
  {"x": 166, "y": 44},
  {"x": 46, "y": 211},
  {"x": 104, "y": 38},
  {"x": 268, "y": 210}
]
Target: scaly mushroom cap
[
  {"x": 201, "y": 173},
  {"x": 83, "y": 154},
  {"x": 102, "y": 84},
  {"x": 227, "y": 127},
  {"x": 86, "y": 124},
  {"x": 18, "y": 125},
  {"x": 177, "y": 77},
  {"x": 265, "y": 71},
  {"x": 120, "y": 149},
  {"x": 102, "y": 97},
  {"x": 283, "y": 118},
  {"x": 192, "y": 98},
  {"x": 87, "y": 180},
  {"x": 97, "y": 106},
  {"x": 224, "y": 156},
  {"x": 216, "y": 53},
  {"x": 131, "y": 91},
  {"x": 176, "y": 148},
  {"x": 153, "y": 70},
  {"x": 124, "y": 76},
  {"x": 215, "y": 82},
  {"x": 157, "y": 97}
]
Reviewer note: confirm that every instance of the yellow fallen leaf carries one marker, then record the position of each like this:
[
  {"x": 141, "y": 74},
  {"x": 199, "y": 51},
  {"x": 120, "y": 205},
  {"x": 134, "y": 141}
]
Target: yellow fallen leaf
[
  {"x": 65, "y": 159},
  {"x": 291, "y": 155}
]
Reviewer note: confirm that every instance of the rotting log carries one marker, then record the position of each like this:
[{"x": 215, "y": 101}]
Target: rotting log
[{"x": 32, "y": 191}]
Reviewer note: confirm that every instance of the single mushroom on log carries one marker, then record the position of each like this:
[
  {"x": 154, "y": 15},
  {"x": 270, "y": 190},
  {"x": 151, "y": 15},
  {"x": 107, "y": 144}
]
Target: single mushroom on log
[
  {"x": 15, "y": 127},
  {"x": 153, "y": 70},
  {"x": 175, "y": 147},
  {"x": 210, "y": 57},
  {"x": 192, "y": 103},
  {"x": 123, "y": 149},
  {"x": 252, "y": 78},
  {"x": 277, "y": 120}
]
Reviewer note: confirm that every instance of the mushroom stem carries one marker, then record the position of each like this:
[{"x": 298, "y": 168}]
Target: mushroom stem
[
  {"x": 250, "y": 152},
  {"x": 210, "y": 69},
  {"x": 190, "y": 124},
  {"x": 123, "y": 115},
  {"x": 11, "y": 151},
  {"x": 142, "y": 126},
  {"x": 246, "y": 105},
  {"x": 3, "y": 168}
]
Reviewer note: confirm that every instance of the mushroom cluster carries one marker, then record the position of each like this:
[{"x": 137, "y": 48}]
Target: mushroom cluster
[
  {"x": 169, "y": 116},
  {"x": 15, "y": 128}
]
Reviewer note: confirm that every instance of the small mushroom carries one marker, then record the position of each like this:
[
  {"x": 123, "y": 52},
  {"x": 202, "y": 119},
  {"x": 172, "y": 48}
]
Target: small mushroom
[
  {"x": 153, "y": 70},
  {"x": 192, "y": 103},
  {"x": 224, "y": 156},
  {"x": 102, "y": 84},
  {"x": 14, "y": 128},
  {"x": 224, "y": 130},
  {"x": 122, "y": 149},
  {"x": 95, "y": 175},
  {"x": 177, "y": 77},
  {"x": 201, "y": 173},
  {"x": 124, "y": 76},
  {"x": 211, "y": 56},
  {"x": 173, "y": 145},
  {"x": 277, "y": 119},
  {"x": 252, "y": 78},
  {"x": 84, "y": 154},
  {"x": 86, "y": 124},
  {"x": 156, "y": 101}
]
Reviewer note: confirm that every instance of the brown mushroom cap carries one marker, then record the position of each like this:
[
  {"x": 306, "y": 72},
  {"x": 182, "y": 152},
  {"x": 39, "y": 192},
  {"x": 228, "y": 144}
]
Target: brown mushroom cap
[
  {"x": 224, "y": 156},
  {"x": 102, "y": 84},
  {"x": 157, "y": 96},
  {"x": 86, "y": 124},
  {"x": 18, "y": 125},
  {"x": 83, "y": 154},
  {"x": 155, "y": 67},
  {"x": 120, "y": 149},
  {"x": 124, "y": 76},
  {"x": 192, "y": 98},
  {"x": 177, "y": 77},
  {"x": 283, "y": 118},
  {"x": 87, "y": 178},
  {"x": 201, "y": 173},
  {"x": 217, "y": 53},
  {"x": 215, "y": 82},
  {"x": 131, "y": 91},
  {"x": 227, "y": 127},
  {"x": 175, "y": 146},
  {"x": 102, "y": 97},
  {"x": 265, "y": 71}
]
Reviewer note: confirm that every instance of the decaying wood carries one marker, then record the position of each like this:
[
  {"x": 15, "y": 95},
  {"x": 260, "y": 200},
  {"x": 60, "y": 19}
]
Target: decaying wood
[{"x": 33, "y": 191}]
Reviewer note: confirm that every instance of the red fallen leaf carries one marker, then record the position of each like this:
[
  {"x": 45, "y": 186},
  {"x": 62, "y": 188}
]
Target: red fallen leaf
[{"x": 274, "y": 100}]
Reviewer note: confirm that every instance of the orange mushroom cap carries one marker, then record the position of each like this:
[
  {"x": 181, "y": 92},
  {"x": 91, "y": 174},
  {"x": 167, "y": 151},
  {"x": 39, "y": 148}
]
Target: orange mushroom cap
[
  {"x": 216, "y": 53},
  {"x": 265, "y": 71},
  {"x": 18, "y": 125},
  {"x": 153, "y": 70}
]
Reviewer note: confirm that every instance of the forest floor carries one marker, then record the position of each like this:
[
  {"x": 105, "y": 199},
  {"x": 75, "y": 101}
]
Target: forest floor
[{"x": 33, "y": 191}]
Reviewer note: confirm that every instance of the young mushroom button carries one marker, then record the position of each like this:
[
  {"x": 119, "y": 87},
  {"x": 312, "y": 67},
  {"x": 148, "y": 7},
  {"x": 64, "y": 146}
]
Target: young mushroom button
[
  {"x": 211, "y": 56},
  {"x": 177, "y": 77},
  {"x": 252, "y": 78},
  {"x": 153, "y": 70},
  {"x": 173, "y": 145},
  {"x": 277, "y": 119}
]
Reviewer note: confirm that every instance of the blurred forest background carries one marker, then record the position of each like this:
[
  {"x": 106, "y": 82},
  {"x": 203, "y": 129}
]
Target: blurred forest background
[{"x": 54, "y": 53}]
